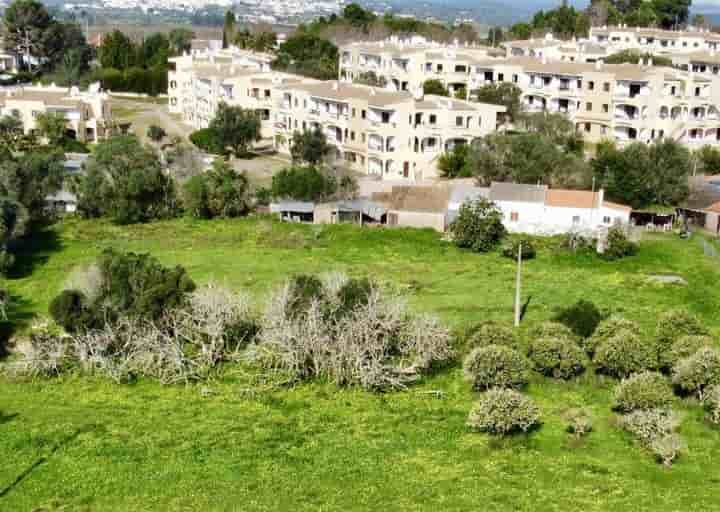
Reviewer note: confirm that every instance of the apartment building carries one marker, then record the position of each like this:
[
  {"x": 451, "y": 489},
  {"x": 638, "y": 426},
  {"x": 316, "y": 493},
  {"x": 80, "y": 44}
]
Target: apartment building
[
  {"x": 653, "y": 40},
  {"x": 623, "y": 102},
  {"x": 198, "y": 83},
  {"x": 88, "y": 113},
  {"x": 405, "y": 66},
  {"x": 388, "y": 134}
]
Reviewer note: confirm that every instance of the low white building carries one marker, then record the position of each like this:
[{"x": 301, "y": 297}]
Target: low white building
[{"x": 539, "y": 210}]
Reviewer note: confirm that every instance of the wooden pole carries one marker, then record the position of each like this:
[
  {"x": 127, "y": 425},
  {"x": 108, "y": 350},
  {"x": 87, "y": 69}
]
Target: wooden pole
[{"x": 517, "y": 286}]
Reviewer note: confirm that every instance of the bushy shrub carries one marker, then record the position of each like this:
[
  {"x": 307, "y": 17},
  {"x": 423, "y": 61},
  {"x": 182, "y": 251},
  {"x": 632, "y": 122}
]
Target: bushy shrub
[
  {"x": 697, "y": 373},
  {"x": 503, "y": 411},
  {"x": 582, "y": 318},
  {"x": 377, "y": 344},
  {"x": 624, "y": 354},
  {"x": 218, "y": 192},
  {"x": 667, "y": 448},
  {"x": 607, "y": 329},
  {"x": 552, "y": 330},
  {"x": 492, "y": 333},
  {"x": 649, "y": 425},
  {"x": 510, "y": 249},
  {"x": 671, "y": 326},
  {"x": 352, "y": 294},
  {"x": 684, "y": 347},
  {"x": 711, "y": 402},
  {"x": 496, "y": 366},
  {"x": 478, "y": 226},
  {"x": 618, "y": 246},
  {"x": 579, "y": 422},
  {"x": 156, "y": 133},
  {"x": 70, "y": 310},
  {"x": 129, "y": 285},
  {"x": 207, "y": 140},
  {"x": 646, "y": 390},
  {"x": 303, "y": 184},
  {"x": 557, "y": 357}
]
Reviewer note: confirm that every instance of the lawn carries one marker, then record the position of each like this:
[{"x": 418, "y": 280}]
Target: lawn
[{"x": 238, "y": 443}]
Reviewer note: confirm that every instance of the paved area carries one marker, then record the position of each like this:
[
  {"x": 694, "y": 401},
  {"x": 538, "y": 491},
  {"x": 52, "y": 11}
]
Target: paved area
[{"x": 144, "y": 112}]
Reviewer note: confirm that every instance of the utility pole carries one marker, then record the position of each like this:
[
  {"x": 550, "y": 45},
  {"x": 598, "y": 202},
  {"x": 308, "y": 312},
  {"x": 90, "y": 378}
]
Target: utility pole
[{"x": 517, "y": 286}]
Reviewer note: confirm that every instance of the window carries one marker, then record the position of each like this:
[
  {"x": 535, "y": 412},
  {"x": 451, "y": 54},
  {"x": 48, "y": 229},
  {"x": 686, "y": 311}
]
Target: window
[
  {"x": 439, "y": 68},
  {"x": 514, "y": 216},
  {"x": 363, "y": 114},
  {"x": 353, "y": 112},
  {"x": 606, "y": 220},
  {"x": 603, "y": 130},
  {"x": 588, "y": 106},
  {"x": 515, "y": 79},
  {"x": 591, "y": 86},
  {"x": 606, "y": 87},
  {"x": 579, "y": 84},
  {"x": 352, "y": 136},
  {"x": 433, "y": 119},
  {"x": 588, "y": 127},
  {"x": 576, "y": 219},
  {"x": 363, "y": 138},
  {"x": 501, "y": 77},
  {"x": 458, "y": 121},
  {"x": 606, "y": 108},
  {"x": 173, "y": 84}
]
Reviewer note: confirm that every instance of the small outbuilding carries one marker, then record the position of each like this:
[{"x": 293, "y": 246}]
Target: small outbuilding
[{"x": 294, "y": 211}]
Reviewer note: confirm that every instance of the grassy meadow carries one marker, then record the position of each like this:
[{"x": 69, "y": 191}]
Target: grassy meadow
[{"x": 238, "y": 443}]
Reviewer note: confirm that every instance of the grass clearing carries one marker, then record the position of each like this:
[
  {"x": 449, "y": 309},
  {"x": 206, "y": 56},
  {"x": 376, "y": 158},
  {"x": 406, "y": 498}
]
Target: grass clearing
[{"x": 90, "y": 445}]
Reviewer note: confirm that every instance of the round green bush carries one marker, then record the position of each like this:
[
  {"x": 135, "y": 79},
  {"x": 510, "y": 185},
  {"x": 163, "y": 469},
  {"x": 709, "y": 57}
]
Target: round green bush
[
  {"x": 558, "y": 357},
  {"x": 496, "y": 366},
  {"x": 552, "y": 330},
  {"x": 684, "y": 347},
  {"x": 673, "y": 325},
  {"x": 697, "y": 373},
  {"x": 503, "y": 411},
  {"x": 607, "y": 329},
  {"x": 510, "y": 249},
  {"x": 491, "y": 333},
  {"x": 625, "y": 354},
  {"x": 642, "y": 391},
  {"x": 70, "y": 310}
]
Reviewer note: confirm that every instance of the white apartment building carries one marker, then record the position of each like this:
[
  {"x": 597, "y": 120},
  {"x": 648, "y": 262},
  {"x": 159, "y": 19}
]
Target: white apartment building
[
  {"x": 406, "y": 65},
  {"x": 201, "y": 81},
  {"x": 88, "y": 113},
  {"x": 388, "y": 134},
  {"x": 623, "y": 102},
  {"x": 653, "y": 40}
]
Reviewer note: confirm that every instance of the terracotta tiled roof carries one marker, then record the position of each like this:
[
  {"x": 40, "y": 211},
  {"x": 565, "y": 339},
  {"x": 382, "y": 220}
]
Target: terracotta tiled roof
[{"x": 571, "y": 198}]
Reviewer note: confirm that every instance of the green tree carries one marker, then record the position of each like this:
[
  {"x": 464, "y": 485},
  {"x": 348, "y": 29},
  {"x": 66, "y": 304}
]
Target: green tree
[
  {"x": 228, "y": 28},
  {"x": 634, "y": 57},
  {"x": 25, "y": 25},
  {"x": 309, "y": 146},
  {"x": 52, "y": 126},
  {"x": 503, "y": 93},
  {"x": 478, "y": 226},
  {"x": 117, "y": 51},
  {"x": 436, "y": 87},
  {"x": 643, "y": 16},
  {"x": 356, "y": 16},
  {"x": 495, "y": 36},
  {"x": 302, "y": 184},
  {"x": 219, "y": 192},
  {"x": 642, "y": 175},
  {"x": 521, "y": 31},
  {"x": 125, "y": 181},
  {"x": 455, "y": 163},
  {"x": 308, "y": 55},
  {"x": 180, "y": 40},
  {"x": 671, "y": 13},
  {"x": 235, "y": 128}
]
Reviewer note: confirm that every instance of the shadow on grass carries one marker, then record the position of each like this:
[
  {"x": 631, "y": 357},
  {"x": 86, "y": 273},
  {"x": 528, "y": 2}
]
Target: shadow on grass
[
  {"x": 7, "y": 418},
  {"x": 42, "y": 460},
  {"x": 33, "y": 251},
  {"x": 19, "y": 314}
]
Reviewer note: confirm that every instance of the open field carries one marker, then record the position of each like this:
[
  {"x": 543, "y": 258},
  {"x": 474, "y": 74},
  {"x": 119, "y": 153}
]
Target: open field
[{"x": 231, "y": 444}]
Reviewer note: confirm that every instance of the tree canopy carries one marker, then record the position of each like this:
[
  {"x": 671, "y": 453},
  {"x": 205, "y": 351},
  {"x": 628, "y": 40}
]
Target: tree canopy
[
  {"x": 309, "y": 146},
  {"x": 235, "y": 128},
  {"x": 503, "y": 93}
]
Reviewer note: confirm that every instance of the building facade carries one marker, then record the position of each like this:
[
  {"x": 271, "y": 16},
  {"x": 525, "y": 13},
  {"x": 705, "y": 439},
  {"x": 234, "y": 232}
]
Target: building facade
[
  {"x": 383, "y": 133},
  {"x": 88, "y": 113}
]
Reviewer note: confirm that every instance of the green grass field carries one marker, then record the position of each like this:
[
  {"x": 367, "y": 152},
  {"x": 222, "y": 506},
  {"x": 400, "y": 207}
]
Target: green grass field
[{"x": 78, "y": 443}]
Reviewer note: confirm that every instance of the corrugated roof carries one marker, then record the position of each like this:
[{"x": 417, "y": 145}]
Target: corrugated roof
[
  {"x": 292, "y": 206},
  {"x": 517, "y": 192}
]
